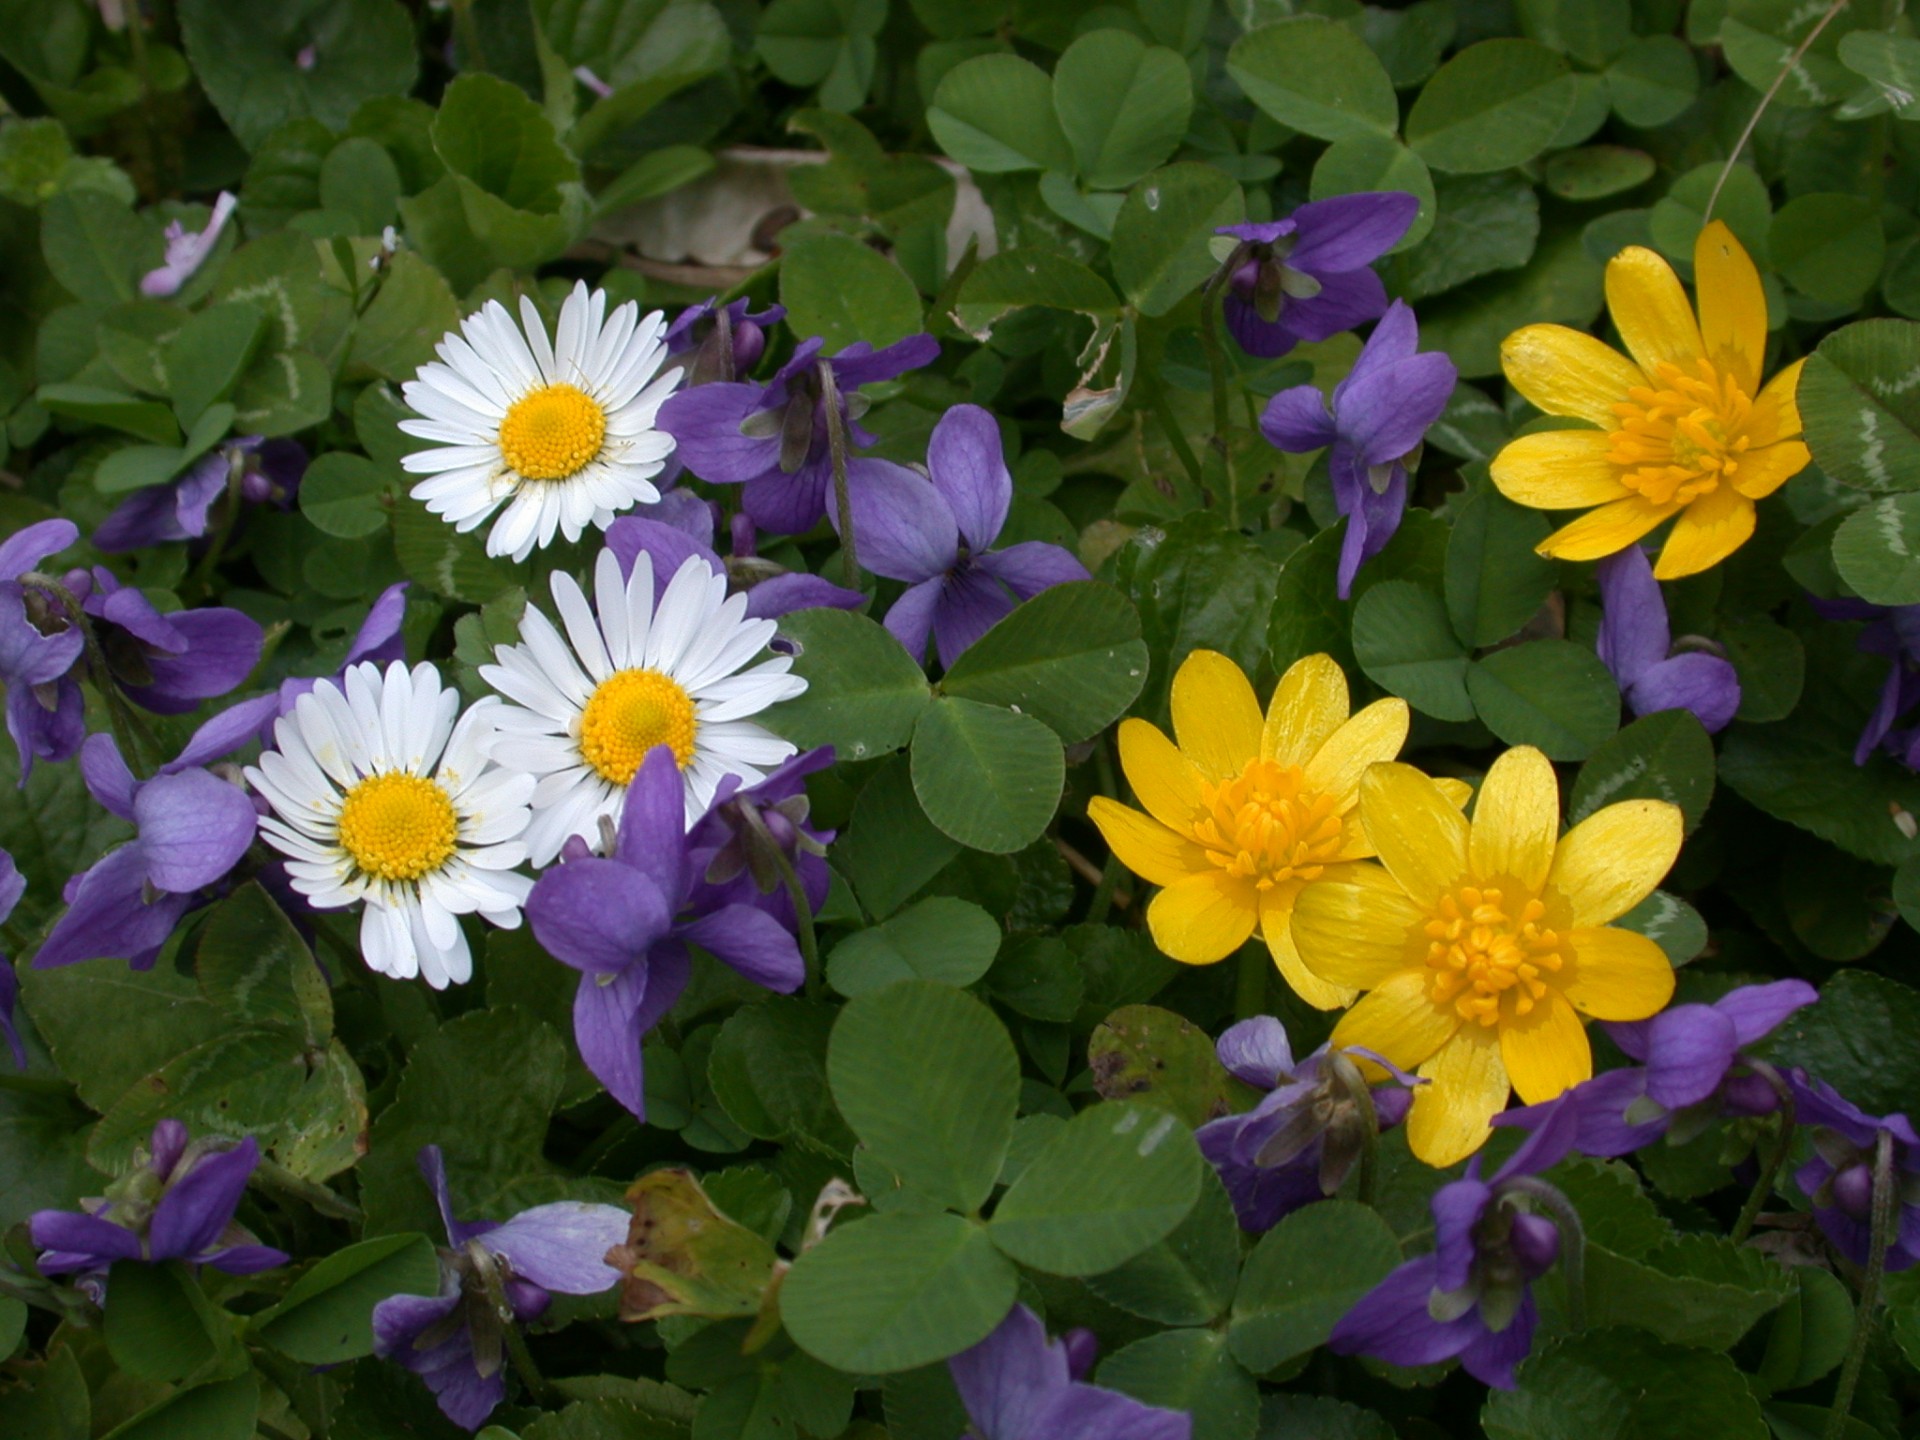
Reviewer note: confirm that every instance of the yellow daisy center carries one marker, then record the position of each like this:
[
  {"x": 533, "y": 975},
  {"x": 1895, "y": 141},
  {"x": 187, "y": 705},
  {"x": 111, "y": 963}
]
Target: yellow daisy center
[
  {"x": 398, "y": 826},
  {"x": 552, "y": 433},
  {"x": 630, "y": 713},
  {"x": 1680, "y": 440},
  {"x": 1267, "y": 825},
  {"x": 1486, "y": 946}
]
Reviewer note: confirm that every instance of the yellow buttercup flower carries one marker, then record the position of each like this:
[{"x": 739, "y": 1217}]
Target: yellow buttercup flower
[
  {"x": 1245, "y": 814},
  {"x": 1686, "y": 429},
  {"x": 1482, "y": 945}
]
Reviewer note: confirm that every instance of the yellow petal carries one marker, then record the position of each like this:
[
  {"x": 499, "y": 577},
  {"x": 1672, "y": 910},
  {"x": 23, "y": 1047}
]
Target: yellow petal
[
  {"x": 1375, "y": 734},
  {"x": 1606, "y": 531},
  {"x": 1707, "y": 532},
  {"x": 1776, "y": 410},
  {"x": 1613, "y": 859},
  {"x": 1145, "y": 846},
  {"x": 1558, "y": 470},
  {"x": 1356, "y": 844},
  {"x": 1616, "y": 974},
  {"x": 1765, "y": 470},
  {"x": 1308, "y": 705},
  {"x": 1161, "y": 776},
  {"x": 1356, "y": 931},
  {"x": 1216, "y": 718},
  {"x": 1421, "y": 836},
  {"x": 1733, "y": 307},
  {"x": 1516, "y": 819},
  {"x": 1276, "y": 910},
  {"x": 1546, "y": 1051},
  {"x": 1396, "y": 1020},
  {"x": 1568, "y": 372},
  {"x": 1466, "y": 1087},
  {"x": 1203, "y": 918},
  {"x": 1458, "y": 792},
  {"x": 1649, "y": 307}
]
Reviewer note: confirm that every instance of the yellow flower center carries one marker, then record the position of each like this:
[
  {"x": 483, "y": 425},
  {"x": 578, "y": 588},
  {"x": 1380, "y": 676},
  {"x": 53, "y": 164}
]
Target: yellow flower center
[
  {"x": 398, "y": 826},
  {"x": 1677, "y": 442},
  {"x": 1480, "y": 955},
  {"x": 630, "y": 713},
  {"x": 1268, "y": 826},
  {"x": 552, "y": 433}
]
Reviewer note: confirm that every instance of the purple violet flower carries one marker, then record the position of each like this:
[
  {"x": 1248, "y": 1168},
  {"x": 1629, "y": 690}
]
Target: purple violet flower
[
  {"x": 725, "y": 341},
  {"x": 1694, "y": 1070},
  {"x": 1306, "y": 277},
  {"x": 1635, "y": 642},
  {"x": 1374, "y": 433},
  {"x": 772, "y": 439},
  {"x": 12, "y": 886},
  {"x": 1838, "y": 1178},
  {"x": 1472, "y": 1298},
  {"x": 1018, "y": 1385},
  {"x": 624, "y": 922},
  {"x": 270, "y": 473},
  {"x": 454, "y": 1341},
  {"x": 1300, "y": 1142},
  {"x": 186, "y": 253},
  {"x": 40, "y": 644},
  {"x": 738, "y": 845},
  {"x": 379, "y": 641},
  {"x": 678, "y": 530},
  {"x": 191, "y": 826},
  {"x": 937, "y": 534},
  {"x": 166, "y": 663},
  {"x": 176, "y": 1203},
  {"x": 1892, "y": 631}
]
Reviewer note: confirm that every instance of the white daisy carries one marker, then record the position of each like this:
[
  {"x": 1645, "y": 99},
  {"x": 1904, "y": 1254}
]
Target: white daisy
[
  {"x": 381, "y": 800},
  {"x": 561, "y": 433},
  {"x": 629, "y": 676}
]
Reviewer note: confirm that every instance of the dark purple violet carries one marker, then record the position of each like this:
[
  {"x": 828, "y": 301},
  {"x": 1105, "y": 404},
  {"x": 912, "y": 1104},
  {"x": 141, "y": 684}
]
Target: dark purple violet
[
  {"x": 1838, "y": 1178},
  {"x": 772, "y": 439},
  {"x": 1018, "y": 1385},
  {"x": 1892, "y": 631},
  {"x": 269, "y": 473},
  {"x": 1303, "y": 1139},
  {"x": 1307, "y": 277},
  {"x": 1635, "y": 643},
  {"x": 41, "y": 643},
  {"x": 166, "y": 663}
]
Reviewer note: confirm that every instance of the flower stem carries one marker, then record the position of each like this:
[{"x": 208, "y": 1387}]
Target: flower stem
[
  {"x": 1787, "y": 67},
  {"x": 1884, "y": 1182},
  {"x": 1250, "y": 985},
  {"x": 1211, "y": 300},
  {"x": 1769, "y": 1173},
  {"x": 842, "y": 500},
  {"x": 1573, "y": 1240}
]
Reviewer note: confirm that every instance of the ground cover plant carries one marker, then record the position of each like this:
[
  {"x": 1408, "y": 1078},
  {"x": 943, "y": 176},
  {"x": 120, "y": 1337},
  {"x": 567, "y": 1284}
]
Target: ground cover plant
[{"x": 1033, "y": 719}]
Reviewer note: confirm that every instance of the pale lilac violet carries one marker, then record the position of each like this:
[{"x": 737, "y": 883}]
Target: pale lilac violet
[
  {"x": 177, "y": 1203},
  {"x": 1892, "y": 631},
  {"x": 1635, "y": 641},
  {"x": 593, "y": 82},
  {"x": 624, "y": 922},
  {"x": 1694, "y": 1069},
  {"x": 1307, "y": 277},
  {"x": 1018, "y": 1385},
  {"x": 937, "y": 535},
  {"x": 191, "y": 828},
  {"x": 1472, "y": 1298},
  {"x": 187, "y": 251},
  {"x": 453, "y": 1340},
  {"x": 683, "y": 530},
  {"x": 270, "y": 473},
  {"x": 40, "y": 645},
  {"x": 1373, "y": 434},
  {"x": 166, "y": 663},
  {"x": 1301, "y": 1141},
  {"x": 724, "y": 341},
  {"x": 12, "y": 886},
  {"x": 1838, "y": 1177},
  {"x": 772, "y": 439}
]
